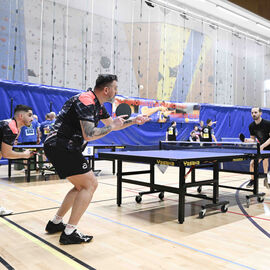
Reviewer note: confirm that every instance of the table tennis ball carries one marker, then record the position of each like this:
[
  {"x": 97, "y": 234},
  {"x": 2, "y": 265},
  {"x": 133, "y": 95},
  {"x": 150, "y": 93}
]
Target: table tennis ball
[{"x": 141, "y": 87}]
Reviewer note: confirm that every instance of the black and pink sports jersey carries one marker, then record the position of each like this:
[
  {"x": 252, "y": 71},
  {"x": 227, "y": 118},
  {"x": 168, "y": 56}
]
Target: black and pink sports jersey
[
  {"x": 8, "y": 131},
  {"x": 66, "y": 131}
]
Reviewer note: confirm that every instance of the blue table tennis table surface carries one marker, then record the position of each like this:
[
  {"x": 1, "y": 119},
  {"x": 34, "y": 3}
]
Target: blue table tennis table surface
[
  {"x": 104, "y": 144},
  {"x": 29, "y": 146},
  {"x": 190, "y": 153},
  {"x": 89, "y": 144},
  {"x": 186, "y": 154}
]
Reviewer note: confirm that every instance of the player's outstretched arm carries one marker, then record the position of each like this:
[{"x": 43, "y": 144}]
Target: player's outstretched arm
[
  {"x": 138, "y": 120},
  {"x": 264, "y": 145},
  {"x": 91, "y": 133},
  {"x": 7, "y": 152},
  {"x": 252, "y": 139}
]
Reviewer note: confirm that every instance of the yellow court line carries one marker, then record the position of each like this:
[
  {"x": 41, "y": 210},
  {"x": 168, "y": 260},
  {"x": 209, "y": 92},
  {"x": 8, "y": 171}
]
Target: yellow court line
[{"x": 43, "y": 245}]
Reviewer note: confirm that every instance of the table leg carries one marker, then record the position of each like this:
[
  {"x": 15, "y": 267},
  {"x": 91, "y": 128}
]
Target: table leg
[
  {"x": 113, "y": 164},
  {"x": 9, "y": 168},
  {"x": 28, "y": 169},
  {"x": 152, "y": 177},
  {"x": 193, "y": 175},
  {"x": 119, "y": 182},
  {"x": 256, "y": 176},
  {"x": 182, "y": 191},
  {"x": 215, "y": 183}
]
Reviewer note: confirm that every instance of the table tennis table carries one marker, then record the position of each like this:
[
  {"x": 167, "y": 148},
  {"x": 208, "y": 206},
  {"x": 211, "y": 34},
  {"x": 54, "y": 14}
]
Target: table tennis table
[
  {"x": 97, "y": 148},
  {"x": 92, "y": 155},
  {"x": 187, "y": 155},
  {"x": 35, "y": 148}
]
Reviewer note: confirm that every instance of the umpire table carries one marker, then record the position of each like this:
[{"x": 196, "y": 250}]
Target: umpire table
[{"x": 187, "y": 155}]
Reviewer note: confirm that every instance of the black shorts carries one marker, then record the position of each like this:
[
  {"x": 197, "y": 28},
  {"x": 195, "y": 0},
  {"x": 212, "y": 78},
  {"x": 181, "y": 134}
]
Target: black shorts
[{"x": 65, "y": 162}]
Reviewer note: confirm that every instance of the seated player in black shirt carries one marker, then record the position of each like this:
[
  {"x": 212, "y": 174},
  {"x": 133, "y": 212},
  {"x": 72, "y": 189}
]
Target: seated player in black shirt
[
  {"x": 259, "y": 129},
  {"x": 75, "y": 125},
  {"x": 9, "y": 131}
]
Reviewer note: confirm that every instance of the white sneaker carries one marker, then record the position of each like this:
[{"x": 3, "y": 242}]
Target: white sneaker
[{"x": 5, "y": 212}]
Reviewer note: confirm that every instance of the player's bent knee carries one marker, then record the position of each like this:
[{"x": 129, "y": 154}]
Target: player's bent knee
[
  {"x": 85, "y": 181},
  {"x": 90, "y": 184},
  {"x": 94, "y": 184}
]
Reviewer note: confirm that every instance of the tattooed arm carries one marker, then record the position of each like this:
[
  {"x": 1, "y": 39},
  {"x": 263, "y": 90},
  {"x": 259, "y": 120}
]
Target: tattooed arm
[{"x": 90, "y": 132}]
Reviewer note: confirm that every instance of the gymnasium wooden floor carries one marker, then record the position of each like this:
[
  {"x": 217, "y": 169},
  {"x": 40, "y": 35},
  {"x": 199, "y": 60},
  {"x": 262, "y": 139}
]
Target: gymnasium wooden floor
[{"x": 134, "y": 236}]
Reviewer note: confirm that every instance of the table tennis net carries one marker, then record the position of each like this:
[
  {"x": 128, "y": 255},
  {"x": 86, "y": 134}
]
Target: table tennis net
[{"x": 235, "y": 147}]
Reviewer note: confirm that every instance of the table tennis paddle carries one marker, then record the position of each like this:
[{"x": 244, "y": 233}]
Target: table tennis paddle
[
  {"x": 123, "y": 109},
  {"x": 242, "y": 137}
]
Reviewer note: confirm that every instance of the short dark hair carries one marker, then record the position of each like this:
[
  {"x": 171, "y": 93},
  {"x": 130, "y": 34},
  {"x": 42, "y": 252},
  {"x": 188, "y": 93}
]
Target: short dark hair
[
  {"x": 260, "y": 109},
  {"x": 208, "y": 121},
  {"x": 22, "y": 108},
  {"x": 173, "y": 122},
  {"x": 104, "y": 80}
]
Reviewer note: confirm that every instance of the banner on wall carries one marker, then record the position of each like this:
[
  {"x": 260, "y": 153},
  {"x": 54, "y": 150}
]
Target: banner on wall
[{"x": 161, "y": 111}]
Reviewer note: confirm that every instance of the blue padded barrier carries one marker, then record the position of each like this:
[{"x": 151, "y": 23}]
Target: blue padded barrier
[{"x": 231, "y": 120}]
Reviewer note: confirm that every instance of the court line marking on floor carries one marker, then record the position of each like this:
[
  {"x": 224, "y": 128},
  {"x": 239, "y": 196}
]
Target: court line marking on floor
[
  {"x": 6, "y": 264},
  {"x": 247, "y": 215},
  {"x": 141, "y": 231},
  {"x": 56, "y": 251},
  {"x": 242, "y": 214},
  {"x": 133, "y": 190},
  {"x": 127, "y": 189},
  {"x": 33, "y": 211},
  {"x": 56, "y": 207}
]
